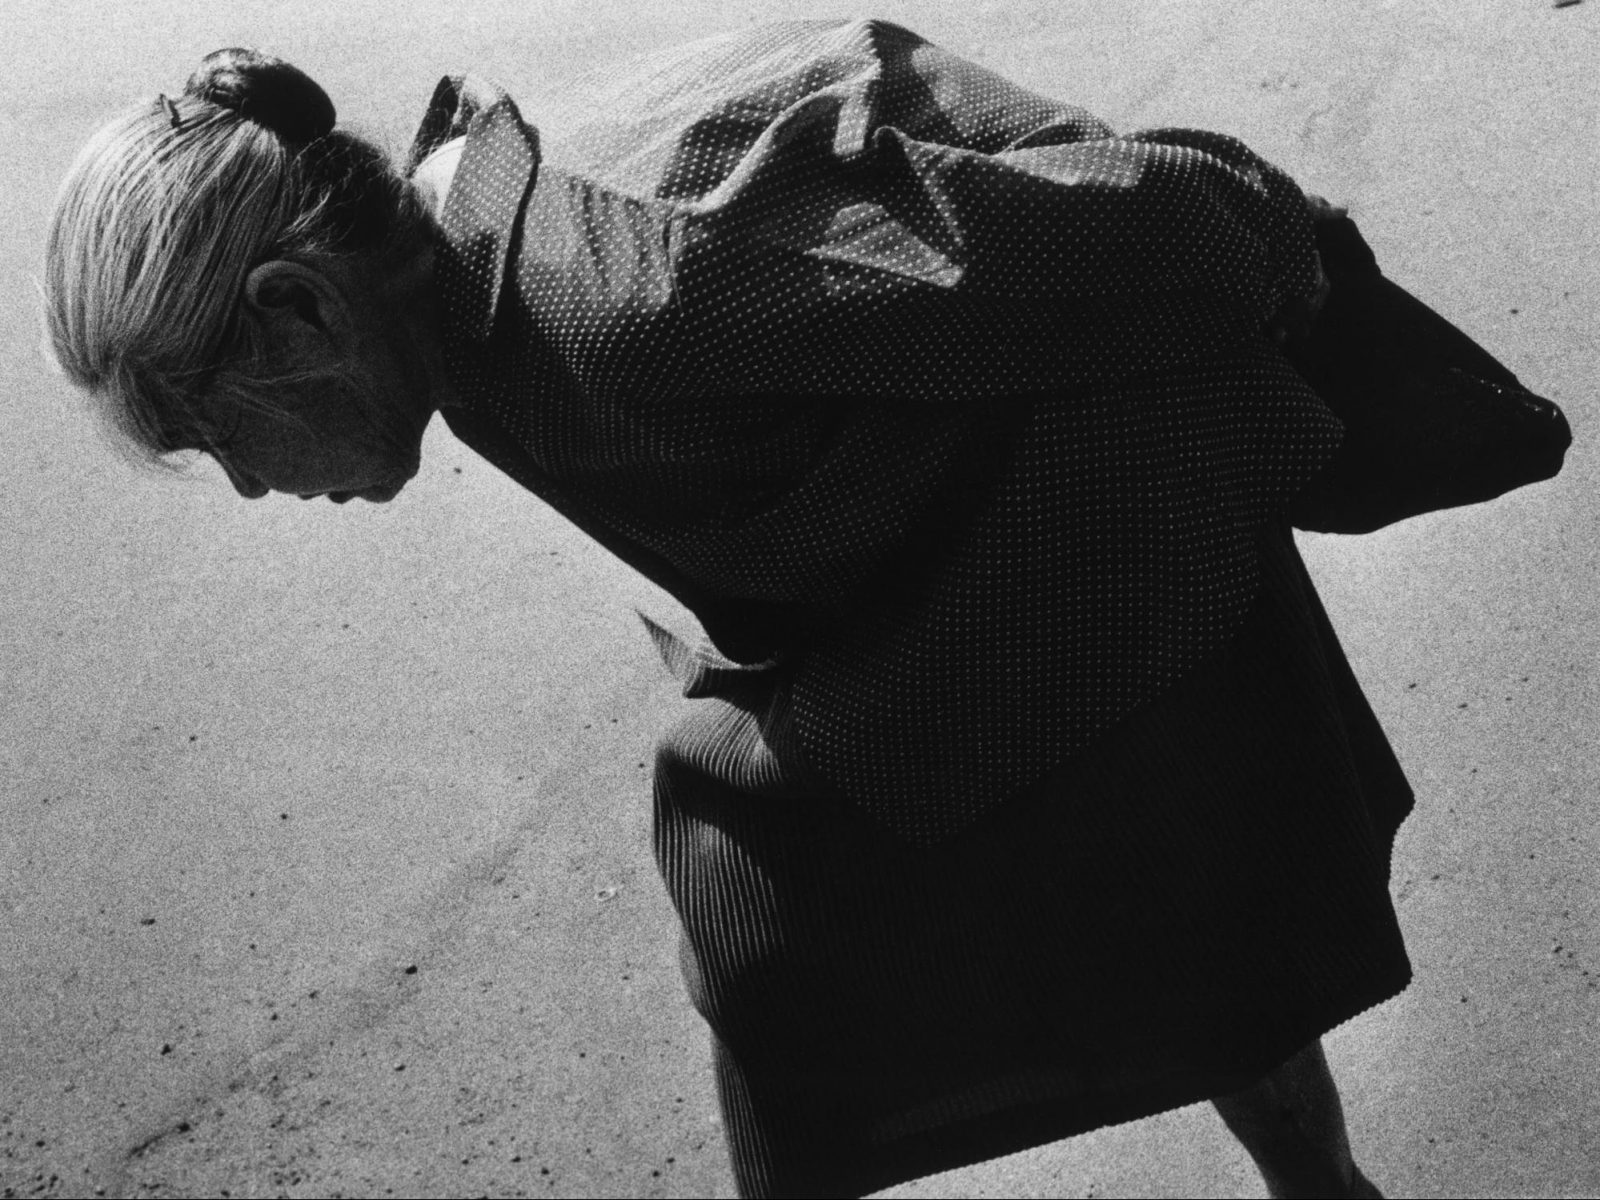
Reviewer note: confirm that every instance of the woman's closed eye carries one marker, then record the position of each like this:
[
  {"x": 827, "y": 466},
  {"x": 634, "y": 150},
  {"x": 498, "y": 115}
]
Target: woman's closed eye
[{"x": 224, "y": 448}]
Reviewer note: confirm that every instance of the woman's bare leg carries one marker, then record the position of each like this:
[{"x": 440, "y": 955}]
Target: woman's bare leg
[{"x": 1292, "y": 1124}]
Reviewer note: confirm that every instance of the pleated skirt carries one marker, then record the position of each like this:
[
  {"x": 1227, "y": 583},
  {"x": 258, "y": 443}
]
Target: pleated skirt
[{"x": 1161, "y": 920}]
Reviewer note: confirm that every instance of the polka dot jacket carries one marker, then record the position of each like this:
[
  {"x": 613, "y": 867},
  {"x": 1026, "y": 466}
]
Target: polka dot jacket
[{"x": 948, "y": 412}]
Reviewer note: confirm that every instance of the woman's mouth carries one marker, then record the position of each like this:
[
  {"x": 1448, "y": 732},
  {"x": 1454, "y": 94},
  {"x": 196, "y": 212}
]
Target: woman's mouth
[
  {"x": 381, "y": 493},
  {"x": 378, "y": 493}
]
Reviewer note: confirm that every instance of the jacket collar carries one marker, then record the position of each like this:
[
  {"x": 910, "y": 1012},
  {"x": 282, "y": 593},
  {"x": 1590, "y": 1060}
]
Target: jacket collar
[{"x": 498, "y": 168}]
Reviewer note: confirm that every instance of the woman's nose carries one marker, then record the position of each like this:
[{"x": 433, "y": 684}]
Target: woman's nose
[{"x": 246, "y": 486}]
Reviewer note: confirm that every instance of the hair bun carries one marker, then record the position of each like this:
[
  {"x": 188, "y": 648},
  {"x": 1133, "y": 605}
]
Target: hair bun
[{"x": 267, "y": 90}]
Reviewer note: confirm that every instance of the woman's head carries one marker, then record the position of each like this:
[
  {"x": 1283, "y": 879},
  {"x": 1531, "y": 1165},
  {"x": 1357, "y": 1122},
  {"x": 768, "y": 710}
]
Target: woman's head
[{"x": 194, "y": 237}]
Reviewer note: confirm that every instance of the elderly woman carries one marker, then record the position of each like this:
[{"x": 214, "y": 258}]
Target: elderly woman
[{"x": 1025, "y": 788}]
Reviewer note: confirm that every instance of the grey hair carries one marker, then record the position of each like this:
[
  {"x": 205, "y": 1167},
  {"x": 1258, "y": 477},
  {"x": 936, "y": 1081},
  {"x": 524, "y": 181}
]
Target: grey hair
[{"x": 159, "y": 221}]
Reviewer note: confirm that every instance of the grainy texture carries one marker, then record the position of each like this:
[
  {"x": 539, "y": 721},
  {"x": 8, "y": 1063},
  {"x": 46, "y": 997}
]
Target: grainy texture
[
  {"x": 1163, "y": 920},
  {"x": 727, "y": 350},
  {"x": 895, "y": 372},
  {"x": 457, "y": 680}
]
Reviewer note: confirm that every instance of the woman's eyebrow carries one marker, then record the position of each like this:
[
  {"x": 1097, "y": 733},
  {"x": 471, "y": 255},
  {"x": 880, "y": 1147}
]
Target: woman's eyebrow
[{"x": 178, "y": 439}]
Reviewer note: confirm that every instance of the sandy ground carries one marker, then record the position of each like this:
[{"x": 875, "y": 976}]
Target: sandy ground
[{"x": 326, "y": 867}]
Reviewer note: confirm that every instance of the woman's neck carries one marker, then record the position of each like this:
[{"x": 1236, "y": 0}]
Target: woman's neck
[{"x": 412, "y": 287}]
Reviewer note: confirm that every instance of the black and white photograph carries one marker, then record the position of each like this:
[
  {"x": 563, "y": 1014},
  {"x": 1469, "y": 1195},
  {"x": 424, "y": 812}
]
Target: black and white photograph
[{"x": 783, "y": 600}]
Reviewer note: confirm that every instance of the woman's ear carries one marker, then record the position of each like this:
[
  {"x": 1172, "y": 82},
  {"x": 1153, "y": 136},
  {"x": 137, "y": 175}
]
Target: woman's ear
[{"x": 303, "y": 313}]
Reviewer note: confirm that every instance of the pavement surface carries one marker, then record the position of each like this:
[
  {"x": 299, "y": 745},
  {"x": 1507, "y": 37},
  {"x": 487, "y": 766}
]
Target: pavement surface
[{"x": 325, "y": 866}]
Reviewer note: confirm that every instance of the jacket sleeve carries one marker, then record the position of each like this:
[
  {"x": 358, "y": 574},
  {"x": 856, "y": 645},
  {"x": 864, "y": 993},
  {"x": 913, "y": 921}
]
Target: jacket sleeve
[{"x": 788, "y": 280}]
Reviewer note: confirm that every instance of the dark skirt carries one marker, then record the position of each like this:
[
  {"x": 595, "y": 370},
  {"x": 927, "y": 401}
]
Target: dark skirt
[{"x": 1162, "y": 920}]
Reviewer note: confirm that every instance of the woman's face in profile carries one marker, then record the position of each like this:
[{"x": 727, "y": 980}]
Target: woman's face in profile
[
  {"x": 330, "y": 439},
  {"x": 348, "y": 419}
]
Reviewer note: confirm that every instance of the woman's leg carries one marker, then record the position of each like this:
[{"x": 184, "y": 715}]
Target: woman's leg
[{"x": 1292, "y": 1124}]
